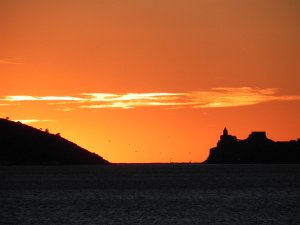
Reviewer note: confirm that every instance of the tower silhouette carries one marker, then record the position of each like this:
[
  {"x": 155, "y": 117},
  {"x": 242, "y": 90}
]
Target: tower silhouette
[{"x": 225, "y": 132}]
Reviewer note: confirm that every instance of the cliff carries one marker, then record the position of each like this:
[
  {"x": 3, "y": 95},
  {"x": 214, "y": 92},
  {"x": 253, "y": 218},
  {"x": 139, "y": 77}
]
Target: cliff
[
  {"x": 257, "y": 148},
  {"x": 24, "y": 145}
]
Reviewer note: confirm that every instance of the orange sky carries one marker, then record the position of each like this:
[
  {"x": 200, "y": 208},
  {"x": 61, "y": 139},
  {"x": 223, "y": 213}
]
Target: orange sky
[{"x": 151, "y": 81}]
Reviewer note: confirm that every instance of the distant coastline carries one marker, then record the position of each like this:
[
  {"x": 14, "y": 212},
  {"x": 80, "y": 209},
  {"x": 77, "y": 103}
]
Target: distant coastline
[{"x": 257, "y": 148}]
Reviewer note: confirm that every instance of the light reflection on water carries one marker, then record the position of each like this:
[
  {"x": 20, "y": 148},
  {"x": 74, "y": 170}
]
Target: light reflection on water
[{"x": 150, "y": 194}]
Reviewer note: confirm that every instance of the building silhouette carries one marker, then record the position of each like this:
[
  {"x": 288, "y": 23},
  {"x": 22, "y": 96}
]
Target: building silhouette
[{"x": 256, "y": 148}]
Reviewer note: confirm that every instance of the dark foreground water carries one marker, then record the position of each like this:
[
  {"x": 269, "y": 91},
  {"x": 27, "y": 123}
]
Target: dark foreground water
[{"x": 150, "y": 194}]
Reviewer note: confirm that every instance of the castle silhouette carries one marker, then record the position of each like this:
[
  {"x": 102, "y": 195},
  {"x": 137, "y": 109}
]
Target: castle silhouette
[{"x": 257, "y": 148}]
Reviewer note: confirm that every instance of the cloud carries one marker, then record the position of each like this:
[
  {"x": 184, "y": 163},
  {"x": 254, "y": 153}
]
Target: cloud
[
  {"x": 210, "y": 98},
  {"x": 29, "y": 121},
  {"x": 231, "y": 97},
  {"x": 129, "y": 100},
  {"x": 43, "y": 98},
  {"x": 65, "y": 109},
  {"x": 10, "y": 61}
]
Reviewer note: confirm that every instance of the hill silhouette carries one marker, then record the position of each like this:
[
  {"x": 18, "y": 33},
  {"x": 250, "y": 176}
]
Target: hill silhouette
[
  {"x": 21, "y": 144},
  {"x": 257, "y": 148}
]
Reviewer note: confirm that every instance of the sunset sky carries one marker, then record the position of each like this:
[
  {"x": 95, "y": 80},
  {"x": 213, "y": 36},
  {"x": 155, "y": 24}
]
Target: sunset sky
[{"x": 151, "y": 80}]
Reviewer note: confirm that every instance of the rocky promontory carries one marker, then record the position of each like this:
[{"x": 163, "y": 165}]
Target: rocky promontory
[{"x": 257, "y": 148}]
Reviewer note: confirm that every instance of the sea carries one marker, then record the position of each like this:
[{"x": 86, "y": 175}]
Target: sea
[{"x": 150, "y": 194}]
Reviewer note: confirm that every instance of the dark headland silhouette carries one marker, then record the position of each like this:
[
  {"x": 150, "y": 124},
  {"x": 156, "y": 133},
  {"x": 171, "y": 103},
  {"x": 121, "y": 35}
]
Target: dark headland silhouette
[
  {"x": 21, "y": 144},
  {"x": 257, "y": 148}
]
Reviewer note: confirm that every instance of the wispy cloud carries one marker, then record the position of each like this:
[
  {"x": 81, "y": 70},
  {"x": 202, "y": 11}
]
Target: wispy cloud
[
  {"x": 231, "y": 97},
  {"x": 211, "y": 98},
  {"x": 129, "y": 100},
  {"x": 41, "y": 98},
  {"x": 29, "y": 121},
  {"x": 10, "y": 61}
]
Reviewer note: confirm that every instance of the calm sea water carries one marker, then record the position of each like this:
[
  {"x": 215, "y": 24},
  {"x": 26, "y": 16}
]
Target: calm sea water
[{"x": 150, "y": 194}]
